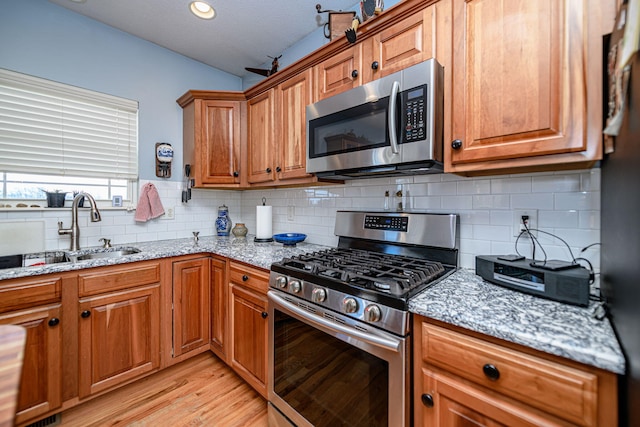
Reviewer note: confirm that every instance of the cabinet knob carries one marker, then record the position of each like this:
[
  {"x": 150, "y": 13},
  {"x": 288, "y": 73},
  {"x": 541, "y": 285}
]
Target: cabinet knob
[
  {"x": 427, "y": 400},
  {"x": 235, "y": 174},
  {"x": 85, "y": 314},
  {"x": 245, "y": 278},
  {"x": 374, "y": 65},
  {"x": 264, "y": 314},
  {"x": 491, "y": 372},
  {"x": 456, "y": 144},
  {"x": 54, "y": 321},
  {"x": 278, "y": 169},
  {"x": 268, "y": 170},
  {"x": 354, "y": 73}
]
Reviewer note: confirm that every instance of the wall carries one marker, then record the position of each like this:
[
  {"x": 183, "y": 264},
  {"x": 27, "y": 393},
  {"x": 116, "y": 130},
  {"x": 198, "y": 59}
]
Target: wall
[
  {"x": 42, "y": 39},
  {"x": 48, "y": 41}
]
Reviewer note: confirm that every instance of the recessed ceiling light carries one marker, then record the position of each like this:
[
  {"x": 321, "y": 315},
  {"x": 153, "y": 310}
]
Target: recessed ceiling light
[
  {"x": 202, "y": 10},
  {"x": 79, "y": 1}
]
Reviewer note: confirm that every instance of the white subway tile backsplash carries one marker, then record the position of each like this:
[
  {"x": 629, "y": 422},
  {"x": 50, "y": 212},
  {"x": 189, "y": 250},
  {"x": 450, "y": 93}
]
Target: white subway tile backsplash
[{"x": 568, "y": 205}]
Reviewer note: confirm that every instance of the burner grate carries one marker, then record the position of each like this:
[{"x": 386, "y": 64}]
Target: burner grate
[{"x": 388, "y": 273}]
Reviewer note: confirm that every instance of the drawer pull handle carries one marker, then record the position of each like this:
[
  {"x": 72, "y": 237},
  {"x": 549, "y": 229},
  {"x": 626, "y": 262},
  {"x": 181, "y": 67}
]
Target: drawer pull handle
[
  {"x": 54, "y": 321},
  {"x": 245, "y": 278},
  {"x": 427, "y": 400},
  {"x": 85, "y": 314},
  {"x": 491, "y": 372},
  {"x": 264, "y": 314}
]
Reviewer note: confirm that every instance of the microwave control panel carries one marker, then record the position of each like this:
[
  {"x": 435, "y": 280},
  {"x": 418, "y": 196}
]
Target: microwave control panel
[{"x": 414, "y": 102}]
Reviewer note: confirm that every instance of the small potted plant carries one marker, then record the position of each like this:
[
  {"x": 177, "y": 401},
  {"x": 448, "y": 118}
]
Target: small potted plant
[{"x": 55, "y": 199}]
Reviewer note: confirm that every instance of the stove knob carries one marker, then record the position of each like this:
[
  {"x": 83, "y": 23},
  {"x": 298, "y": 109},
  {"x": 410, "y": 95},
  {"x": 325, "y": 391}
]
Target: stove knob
[
  {"x": 281, "y": 282},
  {"x": 349, "y": 305},
  {"x": 372, "y": 313},
  {"x": 295, "y": 286},
  {"x": 318, "y": 295}
]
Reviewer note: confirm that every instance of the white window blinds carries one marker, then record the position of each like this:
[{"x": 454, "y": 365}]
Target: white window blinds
[{"x": 57, "y": 129}]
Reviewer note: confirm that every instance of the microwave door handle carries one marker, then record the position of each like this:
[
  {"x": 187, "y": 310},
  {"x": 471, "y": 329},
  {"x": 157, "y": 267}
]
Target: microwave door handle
[{"x": 391, "y": 117}]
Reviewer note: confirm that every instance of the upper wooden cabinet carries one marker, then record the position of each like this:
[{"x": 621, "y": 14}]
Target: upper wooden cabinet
[
  {"x": 402, "y": 45},
  {"x": 292, "y": 98},
  {"x": 212, "y": 137},
  {"x": 338, "y": 73},
  {"x": 525, "y": 89},
  {"x": 261, "y": 142}
]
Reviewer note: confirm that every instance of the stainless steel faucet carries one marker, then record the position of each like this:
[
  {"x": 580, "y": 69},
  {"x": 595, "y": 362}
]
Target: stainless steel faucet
[{"x": 74, "y": 231}]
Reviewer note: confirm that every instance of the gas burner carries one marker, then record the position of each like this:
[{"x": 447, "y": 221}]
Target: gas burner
[{"x": 391, "y": 274}]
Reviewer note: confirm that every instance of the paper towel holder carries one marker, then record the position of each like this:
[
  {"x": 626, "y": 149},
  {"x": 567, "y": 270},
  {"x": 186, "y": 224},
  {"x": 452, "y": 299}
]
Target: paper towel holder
[{"x": 263, "y": 239}]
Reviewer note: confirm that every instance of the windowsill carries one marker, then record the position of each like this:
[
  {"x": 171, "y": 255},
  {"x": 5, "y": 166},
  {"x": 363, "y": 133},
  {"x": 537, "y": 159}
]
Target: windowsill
[{"x": 66, "y": 208}]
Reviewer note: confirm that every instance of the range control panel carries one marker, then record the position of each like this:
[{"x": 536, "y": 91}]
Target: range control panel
[{"x": 386, "y": 223}]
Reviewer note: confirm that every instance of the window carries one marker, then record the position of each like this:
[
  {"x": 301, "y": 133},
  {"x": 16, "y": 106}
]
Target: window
[{"x": 60, "y": 137}]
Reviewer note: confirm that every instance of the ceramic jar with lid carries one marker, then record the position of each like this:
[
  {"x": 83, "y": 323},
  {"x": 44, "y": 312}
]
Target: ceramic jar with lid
[{"x": 223, "y": 222}]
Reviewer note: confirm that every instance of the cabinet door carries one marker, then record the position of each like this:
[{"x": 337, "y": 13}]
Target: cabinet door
[
  {"x": 339, "y": 73},
  {"x": 219, "y": 287},
  {"x": 442, "y": 401},
  {"x": 41, "y": 379},
  {"x": 220, "y": 148},
  {"x": 293, "y": 97},
  {"x": 261, "y": 152},
  {"x": 190, "y": 305},
  {"x": 249, "y": 336},
  {"x": 118, "y": 337},
  {"x": 521, "y": 82},
  {"x": 402, "y": 45}
]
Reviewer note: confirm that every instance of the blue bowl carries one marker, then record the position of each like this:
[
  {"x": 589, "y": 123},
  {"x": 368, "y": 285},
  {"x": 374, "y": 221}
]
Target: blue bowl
[{"x": 289, "y": 239}]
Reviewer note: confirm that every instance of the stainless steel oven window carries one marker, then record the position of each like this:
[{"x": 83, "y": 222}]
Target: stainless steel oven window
[{"x": 319, "y": 376}]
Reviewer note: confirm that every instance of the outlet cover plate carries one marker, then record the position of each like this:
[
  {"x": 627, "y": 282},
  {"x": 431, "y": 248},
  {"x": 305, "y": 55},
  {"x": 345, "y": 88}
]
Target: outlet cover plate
[{"x": 517, "y": 221}]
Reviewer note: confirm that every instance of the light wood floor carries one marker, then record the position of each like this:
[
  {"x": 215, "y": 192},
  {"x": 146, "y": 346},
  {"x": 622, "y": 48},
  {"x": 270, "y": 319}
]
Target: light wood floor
[{"x": 201, "y": 391}]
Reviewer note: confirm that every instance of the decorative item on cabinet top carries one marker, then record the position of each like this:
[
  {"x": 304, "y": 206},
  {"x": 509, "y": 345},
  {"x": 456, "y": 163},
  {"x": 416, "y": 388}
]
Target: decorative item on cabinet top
[{"x": 338, "y": 22}]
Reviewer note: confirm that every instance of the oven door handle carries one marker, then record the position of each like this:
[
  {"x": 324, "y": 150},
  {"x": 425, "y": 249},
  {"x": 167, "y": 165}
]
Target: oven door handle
[{"x": 324, "y": 324}]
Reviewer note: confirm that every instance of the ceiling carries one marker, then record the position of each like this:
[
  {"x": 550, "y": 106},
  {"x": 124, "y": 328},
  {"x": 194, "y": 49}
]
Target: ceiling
[{"x": 243, "y": 34}]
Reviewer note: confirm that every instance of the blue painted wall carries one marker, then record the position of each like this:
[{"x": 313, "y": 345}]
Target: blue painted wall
[{"x": 45, "y": 40}]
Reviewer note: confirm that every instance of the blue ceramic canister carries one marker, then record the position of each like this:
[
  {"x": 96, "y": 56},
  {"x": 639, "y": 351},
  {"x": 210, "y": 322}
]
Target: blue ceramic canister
[{"x": 223, "y": 222}]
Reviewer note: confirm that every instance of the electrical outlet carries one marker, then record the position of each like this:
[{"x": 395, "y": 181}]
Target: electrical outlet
[
  {"x": 169, "y": 213},
  {"x": 518, "y": 226},
  {"x": 291, "y": 213}
]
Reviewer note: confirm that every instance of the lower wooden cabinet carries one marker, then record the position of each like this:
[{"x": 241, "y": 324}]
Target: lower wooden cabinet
[
  {"x": 118, "y": 326},
  {"x": 466, "y": 379},
  {"x": 191, "y": 305},
  {"x": 218, "y": 307},
  {"x": 41, "y": 378},
  {"x": 249, "y": 325}
]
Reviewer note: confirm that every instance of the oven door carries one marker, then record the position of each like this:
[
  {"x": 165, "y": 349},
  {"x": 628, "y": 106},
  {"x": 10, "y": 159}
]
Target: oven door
[{"x": 326, "y": 369}]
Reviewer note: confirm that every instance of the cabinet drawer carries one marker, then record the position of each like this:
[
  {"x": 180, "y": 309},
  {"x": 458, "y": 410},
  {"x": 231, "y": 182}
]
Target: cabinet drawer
[
  {"x": 566, "y": 392},
  {"x": 21, "y": 293},
  {"x": 125, "y": 276},
  {"x": 250, "y": 277}
]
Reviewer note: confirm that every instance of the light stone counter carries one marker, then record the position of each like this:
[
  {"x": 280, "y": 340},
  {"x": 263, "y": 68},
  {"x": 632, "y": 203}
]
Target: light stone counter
[
  {"x": 466, "y": 300},
  {"x": 239, "y": 249}
]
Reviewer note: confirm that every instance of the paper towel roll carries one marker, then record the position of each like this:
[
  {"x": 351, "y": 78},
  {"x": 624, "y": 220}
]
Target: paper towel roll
[{"x": 264, "y": 222}]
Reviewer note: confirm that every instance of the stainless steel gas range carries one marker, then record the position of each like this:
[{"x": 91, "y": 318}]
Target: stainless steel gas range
[{"x": 339, "y": 326}]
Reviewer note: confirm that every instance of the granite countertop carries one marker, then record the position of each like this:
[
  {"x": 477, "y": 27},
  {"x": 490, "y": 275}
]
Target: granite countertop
[
  {"x": 466, "y": 300},
  {"x": 462, "y": 299},
  {"x": 239, "y": 249}
]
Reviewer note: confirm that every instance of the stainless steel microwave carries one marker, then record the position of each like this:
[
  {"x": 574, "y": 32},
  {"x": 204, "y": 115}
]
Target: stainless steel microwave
[{"x": 390, "y": 126}]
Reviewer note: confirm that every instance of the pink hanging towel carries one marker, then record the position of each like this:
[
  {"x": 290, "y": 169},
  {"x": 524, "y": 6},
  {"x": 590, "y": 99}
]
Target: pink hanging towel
[{"x": 149, "y": 204}]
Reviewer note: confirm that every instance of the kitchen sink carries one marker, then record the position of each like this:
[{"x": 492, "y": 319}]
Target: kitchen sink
[{"x": 102, "y": 253}]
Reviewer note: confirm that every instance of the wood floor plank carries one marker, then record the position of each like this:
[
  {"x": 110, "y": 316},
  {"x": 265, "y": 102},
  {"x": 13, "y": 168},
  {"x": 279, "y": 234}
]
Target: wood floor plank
[{"x": 201, "y": 391}]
